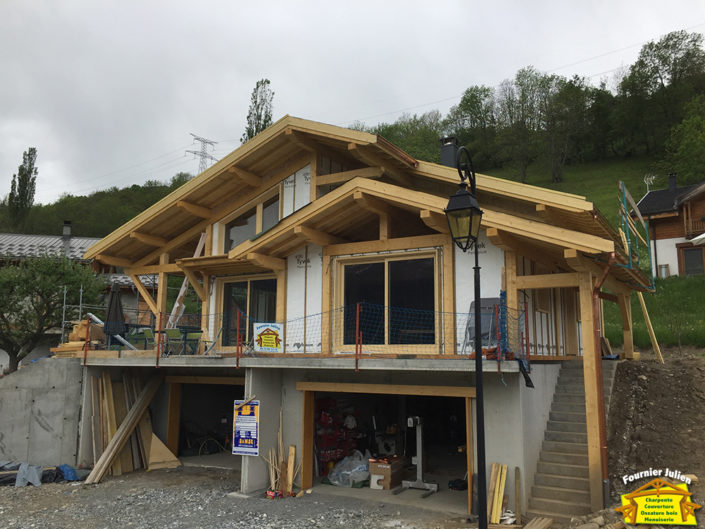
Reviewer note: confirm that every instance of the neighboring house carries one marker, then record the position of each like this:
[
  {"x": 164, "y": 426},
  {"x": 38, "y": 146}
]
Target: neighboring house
[
  {"x": 15, "y": 247},
  {"x": 337, "y": 239},
  {"x": 676, "y": 215}
]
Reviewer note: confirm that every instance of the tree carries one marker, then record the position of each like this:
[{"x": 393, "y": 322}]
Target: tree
[
  {"x": 416, "y": 135},
  {"x": 22, "y": 189},
  {"x": 685, "y": 153},
  {"x": 32, "y": 300},
  {"x": 259, "y": 116}
]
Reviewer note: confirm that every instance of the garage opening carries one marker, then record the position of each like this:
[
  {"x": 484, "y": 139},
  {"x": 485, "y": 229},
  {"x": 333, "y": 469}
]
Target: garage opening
[
  {"x": 366, "y": 426},
  {"x": 200, "y": 424}
]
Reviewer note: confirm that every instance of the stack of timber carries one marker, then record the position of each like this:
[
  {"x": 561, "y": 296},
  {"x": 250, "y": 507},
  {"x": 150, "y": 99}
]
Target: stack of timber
[
  {"x": 496, "y": 500},
  {"x": 83, "y": 331},
  {"x": 539, "y": 522},
  {"x": 122, "y": 434},
  {"x": 281, "y": 465}
]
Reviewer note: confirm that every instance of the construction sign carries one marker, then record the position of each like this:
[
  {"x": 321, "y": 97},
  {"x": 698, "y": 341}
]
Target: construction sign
[
  {"x": 268, "y": 337},
  {"x": 246, "y": 428},
  {"x": 659, "y": 502}
]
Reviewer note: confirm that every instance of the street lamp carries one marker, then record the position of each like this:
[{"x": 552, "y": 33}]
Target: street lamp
[{"x": 464, "y": 216}]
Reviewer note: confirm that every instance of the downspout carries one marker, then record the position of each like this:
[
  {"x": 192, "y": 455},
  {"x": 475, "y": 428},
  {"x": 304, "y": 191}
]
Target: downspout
[{"x": 600, "y": 383}]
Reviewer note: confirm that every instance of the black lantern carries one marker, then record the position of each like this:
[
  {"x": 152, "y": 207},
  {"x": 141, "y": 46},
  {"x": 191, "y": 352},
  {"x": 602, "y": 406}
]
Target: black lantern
[{"x": 463, "y": 212}]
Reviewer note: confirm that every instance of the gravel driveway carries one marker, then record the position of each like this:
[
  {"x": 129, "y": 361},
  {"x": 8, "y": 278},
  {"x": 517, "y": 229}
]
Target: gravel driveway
[{"x": 188, "y": 497}]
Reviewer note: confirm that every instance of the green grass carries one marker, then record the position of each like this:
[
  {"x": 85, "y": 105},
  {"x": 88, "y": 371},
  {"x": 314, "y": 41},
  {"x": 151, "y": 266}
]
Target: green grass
[{"x": 677, "y": 308}]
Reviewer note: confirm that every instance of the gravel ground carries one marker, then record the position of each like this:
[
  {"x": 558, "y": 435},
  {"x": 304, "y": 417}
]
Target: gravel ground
[{"x": 198, "y": 498}]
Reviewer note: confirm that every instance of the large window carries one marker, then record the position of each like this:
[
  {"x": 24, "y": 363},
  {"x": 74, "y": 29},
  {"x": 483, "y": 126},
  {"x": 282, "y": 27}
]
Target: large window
[
  {"x": 260, "y": 217},
  {"x": 693, "y": 261},
  {"x": 397, "y": 298},
  {"x": 254, "y": 300}
]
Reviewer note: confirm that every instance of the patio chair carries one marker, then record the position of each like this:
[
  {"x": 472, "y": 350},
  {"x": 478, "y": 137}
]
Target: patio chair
[
  {"x": 210, "y": 344},
  {"x": 192, "y": 342},
  {"x": 175, "y": 344}
]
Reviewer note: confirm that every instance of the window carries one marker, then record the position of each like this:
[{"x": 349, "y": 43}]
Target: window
[
  {"x": 270, "y": 213},
  {"x": 693, "y": 261},
  {"x": 397, "y": 298},
  {"x": 255, "y": 300},
  {"x": 241, "y": 229}
]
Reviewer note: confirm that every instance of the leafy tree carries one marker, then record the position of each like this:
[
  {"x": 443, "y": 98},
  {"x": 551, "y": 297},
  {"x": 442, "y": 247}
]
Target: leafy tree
[
  {"x": 417, "y": 135},
  {"x": 32, "y": 300},
  {"x": 686, "y": 154},
  {"x": 22, "y": 188},
  {"x": 179, "y": 179},
  {"x": 259, "y": 116},
  {"x": 474, "y": 122}
]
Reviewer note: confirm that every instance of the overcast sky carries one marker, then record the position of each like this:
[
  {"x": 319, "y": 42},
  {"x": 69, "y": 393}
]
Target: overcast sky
[{"x": 108, "y": 91}]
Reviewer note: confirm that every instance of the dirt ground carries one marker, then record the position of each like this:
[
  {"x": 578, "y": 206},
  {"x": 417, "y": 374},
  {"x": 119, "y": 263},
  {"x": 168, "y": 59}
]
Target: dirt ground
[{"x": 657, "y": 419}]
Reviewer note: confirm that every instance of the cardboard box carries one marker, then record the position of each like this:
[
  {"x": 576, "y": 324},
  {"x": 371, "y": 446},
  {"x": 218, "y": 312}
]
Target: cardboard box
[{"x": 387, "y": 473}]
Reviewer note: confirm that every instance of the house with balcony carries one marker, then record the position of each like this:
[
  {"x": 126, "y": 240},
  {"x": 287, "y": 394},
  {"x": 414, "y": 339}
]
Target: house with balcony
[
  {"x": 676, "y": 216},
  {"x": 331, "y": 290}
]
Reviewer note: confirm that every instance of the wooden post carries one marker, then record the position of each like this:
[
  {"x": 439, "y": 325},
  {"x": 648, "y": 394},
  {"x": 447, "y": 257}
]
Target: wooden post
[
  {"x": 510, "y": 273},
  {"x": 571, "y": 322},
  {"x": 654, "y": 342},
  {"x": 592, "y": 398},
  {"x": 448, "y": 306},
  {"x": 625, "y": 309},
  {"x": 469, "y": 450},
  {"x": 326, "y": 304},
  {"x": 162, "y": 289},
  {"x": 173, "y": 418},
  {"x": 307, "y": 440}
]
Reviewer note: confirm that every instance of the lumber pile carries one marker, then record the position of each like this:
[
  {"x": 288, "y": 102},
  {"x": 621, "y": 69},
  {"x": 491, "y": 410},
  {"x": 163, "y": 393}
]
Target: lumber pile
[
  {"x": 122, "y": 434},
  {"x": 282, "y": 467},
  {"x": 539, "y": 523},
  {"x": 82, "y": 330},
  {"x": 496, "y": 500}
]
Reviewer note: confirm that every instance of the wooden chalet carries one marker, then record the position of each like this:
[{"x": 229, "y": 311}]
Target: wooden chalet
[{"x": 308, "y": 222}]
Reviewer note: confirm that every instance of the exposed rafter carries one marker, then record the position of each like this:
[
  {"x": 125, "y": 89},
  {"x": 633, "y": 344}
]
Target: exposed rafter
[
  {"x": 300, "y": 140},
  {"x": 195, "y": 209},
  {"x": 434, "y": 220},
  {"x": 266, "y": 261},
  {"x": 337, "y": 178},
  {"x": 372, "y": 204},
  {"x": 361, "y": 154},
  {"x": 170, "y": 268},
  {"x": 146, "y": 238},
  {"x": 113, "y": 261},
  {"x": 317, "y": 237},
  {"x": 251, "y": 179},
  {"x": 507, "y": 241}
]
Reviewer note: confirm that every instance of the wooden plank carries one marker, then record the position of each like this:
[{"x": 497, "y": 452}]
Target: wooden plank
[
  {"x": 316, "y": 237},
  {"x": 499, "y": 494},
  {"x": 160, "y": 456},
  {"x": 95, "y": 420},
  {"x": 135, "y": 440},
  {"x": 491, "y": 489},
  {"x": 120, "y": 413},
  {"x": 517, "y": 494},
  {"x": 592, "y": 407},
  {"x": 162, "y": 287},
  {"x": 146, "y": 238},
  {"x": 447, "y": 279},
  {"x": 625, "y": 311},
  {"x": 650, "y": 328},
  {"x": 186, "y": 379},
  {"x": 122, "y": 433},
  {"x": 344, "y": 176},
  {"x": 388, "y": 389},
  {"x": 400, "y": 243},
  {"x": 307, "y": 429},
  {"x": 469, "y": 449},
  {"x": 173, "y": 418},
  {"x": 112, "y": 426},
  {"x": 547, "y": 281},
  {"x": 291, "y": 465},
  {"x": 195, "y": 209}
]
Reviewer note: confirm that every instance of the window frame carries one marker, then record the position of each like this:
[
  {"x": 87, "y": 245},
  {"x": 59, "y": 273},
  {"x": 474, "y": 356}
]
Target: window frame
[
  {"x": 258, "y": 205},
  {"x": 337, "y": 334},
  {"x": 682, "y": 247},
  {"x": 221, "y": 282}
]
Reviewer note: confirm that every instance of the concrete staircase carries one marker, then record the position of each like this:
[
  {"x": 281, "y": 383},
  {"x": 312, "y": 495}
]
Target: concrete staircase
[{"x": 561, "y": 487}]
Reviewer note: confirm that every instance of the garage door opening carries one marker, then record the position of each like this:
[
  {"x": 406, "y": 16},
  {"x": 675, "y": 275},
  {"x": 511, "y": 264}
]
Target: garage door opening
[
  {"x": 201, "y": 421},
  {"x": 383, "y": 427}
]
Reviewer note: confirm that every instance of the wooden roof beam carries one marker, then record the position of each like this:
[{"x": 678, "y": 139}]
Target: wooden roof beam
[
  {"x": 170, "y": 268},
  {"x": 146, "y": 295},
  {"x": 370, "y": 159},
  {"x": 251, "y": 179},
  {"x": 317, "y": 237},
  {"x": 267, "y": 261},
  {"x": 337, "y": 178},
  {"x": 578, "y": 262},
  {"x": 111, "y": 260},
  {"x": 372, "y": 204},
  {"x": 509, "y": 242},
  {"x": 564, "y": 280},
  {"x": 197, "y": 287},
  {"x": 151, "y": 240},
  {"x": 300, "y": 140},
  {"x": 434, "y": 220},
  {"x": 195, "y": 209}
]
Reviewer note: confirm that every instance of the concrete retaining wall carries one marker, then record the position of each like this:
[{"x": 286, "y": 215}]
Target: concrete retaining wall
[{"x": 39, "y": 412}]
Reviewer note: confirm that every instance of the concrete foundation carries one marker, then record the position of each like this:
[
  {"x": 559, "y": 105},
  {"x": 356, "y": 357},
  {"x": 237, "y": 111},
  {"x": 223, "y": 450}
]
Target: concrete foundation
[{"x": 39, "y": 413}]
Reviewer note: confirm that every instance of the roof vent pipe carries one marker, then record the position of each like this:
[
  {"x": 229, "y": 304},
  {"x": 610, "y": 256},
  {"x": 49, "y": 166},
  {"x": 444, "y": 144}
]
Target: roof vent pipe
[
  {"x": 66, "y": 236},
  {"x": 672, "y": 181},
  {"x": 449, "y": 149}
]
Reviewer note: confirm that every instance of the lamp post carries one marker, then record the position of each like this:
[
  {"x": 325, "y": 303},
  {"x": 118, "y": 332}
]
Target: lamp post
[{"x": 464, "y": 215}]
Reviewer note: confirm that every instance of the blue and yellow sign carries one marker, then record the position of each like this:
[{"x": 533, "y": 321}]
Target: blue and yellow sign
[
  {"x": 246, "y": 428},
  {"x": 659, "y": 502}
]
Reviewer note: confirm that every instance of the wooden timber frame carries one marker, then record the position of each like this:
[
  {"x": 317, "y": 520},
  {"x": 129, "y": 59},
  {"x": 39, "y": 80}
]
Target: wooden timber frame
[
  {"x": 309, "y": 390},
  {"x": 175, "y": 383}
]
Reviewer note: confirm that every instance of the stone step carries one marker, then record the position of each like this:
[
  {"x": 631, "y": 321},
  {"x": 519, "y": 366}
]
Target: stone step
[
  {"x": 558, "y": 493},
  {"x": 579, "y": 389},
  {"x": 565, "y": 448},
  {"x": 567, "y": 508},
  {"x": 566, "y": 437},
  {"x": 565, "y": 426},
  {"x": 558, "y": 518},
  {"x": 570, "y": 407},
  {"x": 568, "y": 398},
  {"x": 564, "y": 482},
  {"x": 567, "y": 458},
  {"x": 560, "y": 469},
  {"x": 567, "y": 416}
]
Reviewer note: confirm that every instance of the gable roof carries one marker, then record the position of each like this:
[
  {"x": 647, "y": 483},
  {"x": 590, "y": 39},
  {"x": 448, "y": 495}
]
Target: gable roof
[
  {"x": 663, "y": 200},
  {"x": 20, "y": 246}
]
